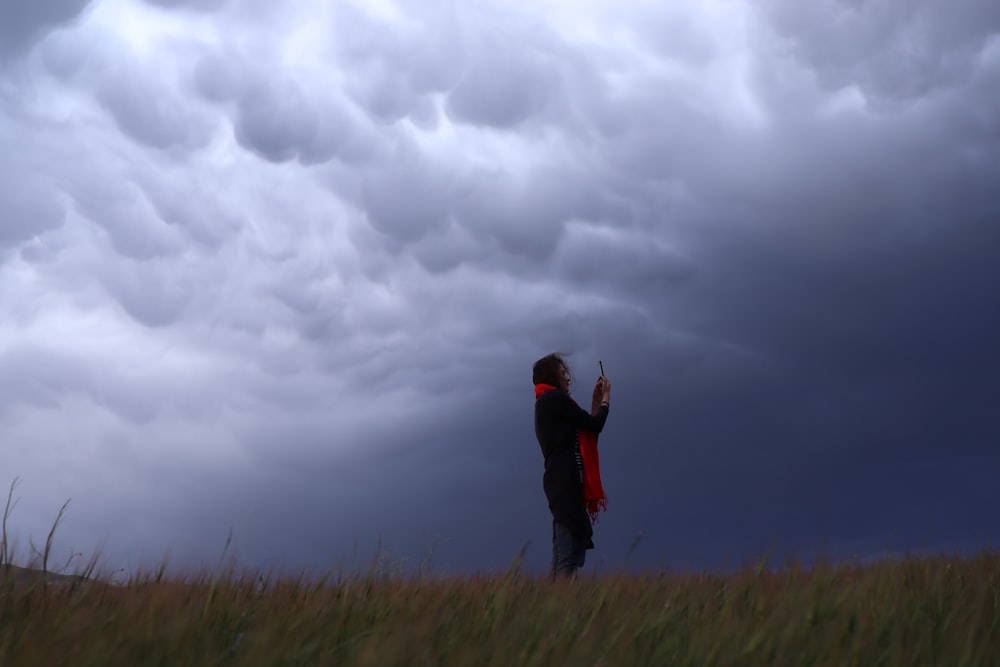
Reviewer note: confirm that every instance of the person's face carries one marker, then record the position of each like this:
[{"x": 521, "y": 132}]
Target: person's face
[{"x": 564, "y": 379}]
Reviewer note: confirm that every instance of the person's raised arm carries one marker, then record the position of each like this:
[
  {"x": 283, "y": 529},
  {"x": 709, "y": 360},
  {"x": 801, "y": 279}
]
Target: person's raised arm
[
  {"x": 566, "y": 408},
  {"x": 601, "y": 394}
]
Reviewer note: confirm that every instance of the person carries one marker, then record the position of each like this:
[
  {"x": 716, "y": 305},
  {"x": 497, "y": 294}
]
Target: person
[{"x": 567, "y": 435}]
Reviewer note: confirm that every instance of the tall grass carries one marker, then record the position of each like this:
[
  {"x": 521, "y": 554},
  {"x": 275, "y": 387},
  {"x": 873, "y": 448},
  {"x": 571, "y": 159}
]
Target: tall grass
[
  {"x": 903, "y": 611},
  {"x": 914, "y": 611}
]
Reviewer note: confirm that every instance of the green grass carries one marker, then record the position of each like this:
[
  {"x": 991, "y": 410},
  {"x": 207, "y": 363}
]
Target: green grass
[{"x": 912, "y": 611}]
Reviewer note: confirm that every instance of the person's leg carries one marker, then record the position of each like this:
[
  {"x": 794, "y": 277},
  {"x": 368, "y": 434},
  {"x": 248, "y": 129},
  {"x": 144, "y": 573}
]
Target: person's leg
[
  {"x": 580, "y": 546},
  {"x": 568, "y": 551}
]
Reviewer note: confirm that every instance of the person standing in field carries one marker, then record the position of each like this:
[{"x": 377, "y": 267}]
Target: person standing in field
[{"x": 567, "y": 435}]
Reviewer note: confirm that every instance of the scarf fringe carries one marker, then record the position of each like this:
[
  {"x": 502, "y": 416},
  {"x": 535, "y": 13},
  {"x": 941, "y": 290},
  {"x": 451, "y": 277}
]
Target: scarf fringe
[{"x": 595, "y": 506}]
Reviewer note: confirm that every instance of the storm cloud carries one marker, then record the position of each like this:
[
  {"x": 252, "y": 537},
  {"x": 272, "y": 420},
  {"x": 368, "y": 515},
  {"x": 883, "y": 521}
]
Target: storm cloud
[
  {"x": 24, "y": 24},
  {"x": 283, "y": 268}
]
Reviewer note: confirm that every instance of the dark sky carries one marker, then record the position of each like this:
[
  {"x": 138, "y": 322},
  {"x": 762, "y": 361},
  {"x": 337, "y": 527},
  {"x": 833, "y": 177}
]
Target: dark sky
[{"x": 283, "y": 269}]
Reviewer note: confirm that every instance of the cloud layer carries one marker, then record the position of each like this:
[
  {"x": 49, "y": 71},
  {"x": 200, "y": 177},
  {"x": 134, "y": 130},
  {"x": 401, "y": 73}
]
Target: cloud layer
[{"x": 284, "y": 269}]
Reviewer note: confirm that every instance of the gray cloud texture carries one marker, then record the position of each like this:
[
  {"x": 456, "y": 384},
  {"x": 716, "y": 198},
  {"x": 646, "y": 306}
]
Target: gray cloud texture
[
  {"x": 283, "y": 268},
  {"x": 23, "y": 23}
]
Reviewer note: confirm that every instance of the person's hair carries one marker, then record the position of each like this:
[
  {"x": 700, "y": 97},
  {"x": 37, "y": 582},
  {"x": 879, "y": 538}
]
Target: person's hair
[{"x": 546, "y": 369}]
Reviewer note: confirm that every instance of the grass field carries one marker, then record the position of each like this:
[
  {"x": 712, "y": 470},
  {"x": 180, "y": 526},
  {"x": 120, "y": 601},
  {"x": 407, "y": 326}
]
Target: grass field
[{"x": 912, "y": 611}]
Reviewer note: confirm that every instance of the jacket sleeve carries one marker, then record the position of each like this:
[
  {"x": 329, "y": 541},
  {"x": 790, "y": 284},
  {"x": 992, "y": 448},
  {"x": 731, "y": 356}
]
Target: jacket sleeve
[{"x": 566, "y": 408}]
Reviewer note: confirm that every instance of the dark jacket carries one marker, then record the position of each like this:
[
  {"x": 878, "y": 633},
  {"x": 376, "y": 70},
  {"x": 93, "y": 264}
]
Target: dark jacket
[{"x": 557, "y": 419}]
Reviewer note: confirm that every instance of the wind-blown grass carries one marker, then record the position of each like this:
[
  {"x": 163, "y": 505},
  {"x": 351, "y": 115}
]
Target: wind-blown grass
[
  {"x": 896, "y": 611},
  {"x": 912, "y": 611}
]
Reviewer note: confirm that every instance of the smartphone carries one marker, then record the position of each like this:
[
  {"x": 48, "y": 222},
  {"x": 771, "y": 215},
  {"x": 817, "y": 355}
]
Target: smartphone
[{"x": 602, "y": 367}]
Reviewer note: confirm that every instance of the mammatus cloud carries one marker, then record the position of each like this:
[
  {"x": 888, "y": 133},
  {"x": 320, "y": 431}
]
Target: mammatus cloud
[
  {"x": 28, "y": 208},
  {"x": 23, "y": 23},
  {"x": 150, "y": 113},
  {"x": 504, "y": 88},
  {"x": 283, "y": 268},
  {"x": 890, "y": 51}
]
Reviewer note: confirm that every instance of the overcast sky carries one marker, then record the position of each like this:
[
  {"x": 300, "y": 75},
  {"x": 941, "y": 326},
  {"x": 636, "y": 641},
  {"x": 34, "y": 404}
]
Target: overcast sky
[{"x": 282, "y": 268}]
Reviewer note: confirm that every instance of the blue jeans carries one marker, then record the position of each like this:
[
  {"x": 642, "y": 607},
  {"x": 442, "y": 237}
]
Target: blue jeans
[{"x": 569, "y": 551}]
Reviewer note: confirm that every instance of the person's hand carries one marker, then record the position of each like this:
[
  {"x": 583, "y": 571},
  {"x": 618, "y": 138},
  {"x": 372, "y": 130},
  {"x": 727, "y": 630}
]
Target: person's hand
[
  {"x": 598, "y": 392},
  {"x": 605, "y": 384}
]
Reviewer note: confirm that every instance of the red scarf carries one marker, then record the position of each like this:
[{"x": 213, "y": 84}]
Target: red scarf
[{"x": 593, "y": 493}]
